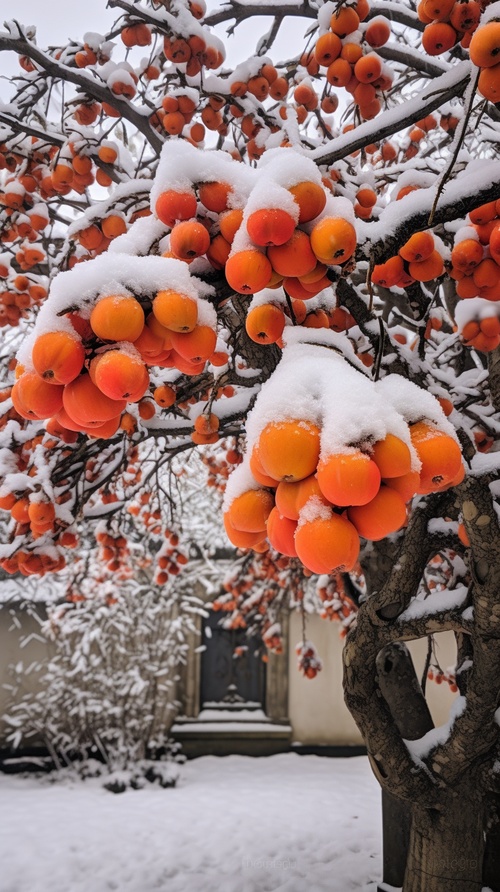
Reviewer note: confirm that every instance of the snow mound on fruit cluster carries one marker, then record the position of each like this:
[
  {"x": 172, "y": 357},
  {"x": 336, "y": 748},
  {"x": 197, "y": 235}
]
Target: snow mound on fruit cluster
[
  {"x": 78, "y": 289},
  {"x": 315, "y": 384}
]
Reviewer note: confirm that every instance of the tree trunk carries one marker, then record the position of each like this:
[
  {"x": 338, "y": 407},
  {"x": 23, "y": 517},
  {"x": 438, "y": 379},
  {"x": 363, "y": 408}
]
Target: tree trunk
[{"x": 446, "y": 846}]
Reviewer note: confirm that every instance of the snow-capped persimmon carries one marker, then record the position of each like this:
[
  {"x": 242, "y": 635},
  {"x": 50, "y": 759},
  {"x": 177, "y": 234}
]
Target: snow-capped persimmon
[
  {"x": 378, "y": 32},
  {"x": 467, "y": 254},
  {"x": 289, "y": 450},
  {"x": 175, "y": 311},
  {"x": 270, "y": 226},
  {"x": 439, "y": 454},
  {"x": 117, "y": 317},
  {"x": 41, "y": 512},
  {"x": 368, "y": 68},
  {"x": 291, "y": 497},
  {"x": 214, "y": 196},
  {"x": 311, "y": 199},
  {"x": 172, "y": 206},
  {"x": 392, "y": 456},
  {"x": 58, "y": 356}
]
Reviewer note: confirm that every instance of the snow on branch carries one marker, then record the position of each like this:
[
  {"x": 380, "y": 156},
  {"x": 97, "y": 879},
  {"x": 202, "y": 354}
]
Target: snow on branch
[{"x": 450, "y": 84}]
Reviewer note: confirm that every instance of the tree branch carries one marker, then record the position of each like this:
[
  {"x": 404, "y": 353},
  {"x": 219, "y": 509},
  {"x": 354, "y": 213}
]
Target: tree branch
[{"x": 92, "y": 87}]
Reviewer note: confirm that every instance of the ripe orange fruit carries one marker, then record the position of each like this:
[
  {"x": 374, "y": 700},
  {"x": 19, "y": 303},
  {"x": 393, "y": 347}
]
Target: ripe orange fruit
[
  {"x": 121, "y": 376},
  {"x": 165, "y": 396},
  {"x": 291, "y": 497},
  {"x": 229, "y": 223},
  {"x": 240, "y": 538},
  {"x": 289, "y": 450},
  {"x": 311, "y": 199},
  {"x": 484, "y": 48},
  {"x": 58, "y": 357},
  {"x": 350, "y": 478},
  {"x": 392, "y": 456},
  {"x": 467, "y": 255},
  {"x": 171, "y": 206},
  {"x": 378, "y": 32},
  {"x": 425, "y": 270},
  {"x": 281, "y": 533},
  {"x": 327, "y": 49},
  {"x": 407, "y": 485},
  {"x": 389, "y": 273},
  {"x": 117, "y": 317},
  {"x": 258, "y": 471},
  {"x": 489, "y": 83},
  {"x": 175, "y": 311},
  {"x": 189, "y": 239},
  {"x": 248, "y": 271},
  {"x": 214, "y": 195},
  {"x": 197, "y": 345},
  {"x": 33, "y": 397},
  {"x": 327, "y": 543},
  {"x": 87, "y": 406},
  {"x": 265, "y": 323},
  {"x": 344, "y": 21},
  {"x": 418, "y": 247},
  {"x": 41, "y": 512},
  {"x": 333, "y": 240},
  {"x": 270, "y": 226},
  {"x": 438, "y": 37},
  {"x": 368, "y": 68},
  {"x": 294, "y": 257},
  {"x": 440, "y": 455},
  {"x": 385, "y": 514}
]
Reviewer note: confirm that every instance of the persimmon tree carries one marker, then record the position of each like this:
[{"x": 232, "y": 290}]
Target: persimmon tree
[{"x": 300, "y": 253}]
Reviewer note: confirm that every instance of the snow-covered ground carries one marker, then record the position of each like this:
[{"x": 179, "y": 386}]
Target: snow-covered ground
[{"x": 232, "y": 824}]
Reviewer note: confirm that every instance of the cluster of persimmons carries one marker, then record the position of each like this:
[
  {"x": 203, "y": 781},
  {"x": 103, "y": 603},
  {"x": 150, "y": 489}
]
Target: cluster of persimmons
[
  {"x": 347, "y": 62},
  {"x": 475, "y": 260},
  {"x": 316, "y": 506},
  {"x": 448, "y": 22}
]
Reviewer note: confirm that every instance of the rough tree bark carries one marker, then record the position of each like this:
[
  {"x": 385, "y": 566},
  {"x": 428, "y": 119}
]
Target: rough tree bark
[{"x": 449, "y": 789}]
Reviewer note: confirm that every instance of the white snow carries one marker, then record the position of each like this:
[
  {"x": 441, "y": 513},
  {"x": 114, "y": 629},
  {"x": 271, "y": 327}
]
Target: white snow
[{"x": 232, "y": 824}]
